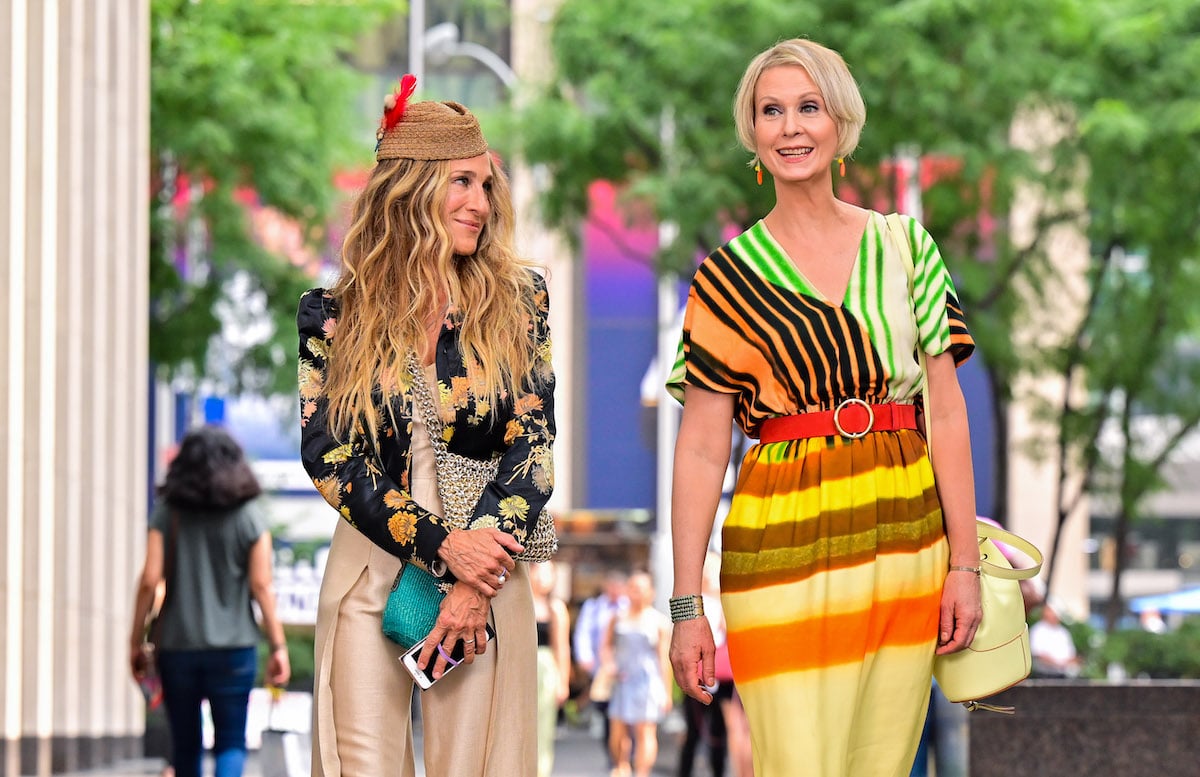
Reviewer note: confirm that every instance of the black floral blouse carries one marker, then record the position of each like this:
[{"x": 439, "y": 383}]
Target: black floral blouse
[{"x": 371, "y": 488}]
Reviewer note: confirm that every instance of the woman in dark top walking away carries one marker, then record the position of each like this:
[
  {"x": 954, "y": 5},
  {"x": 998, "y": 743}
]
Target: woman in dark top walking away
[{"x": 209, "y": 532}]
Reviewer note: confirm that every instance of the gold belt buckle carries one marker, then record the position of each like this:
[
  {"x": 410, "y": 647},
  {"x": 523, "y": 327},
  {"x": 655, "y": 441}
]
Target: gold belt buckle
[{"x": 837, "y": 424}]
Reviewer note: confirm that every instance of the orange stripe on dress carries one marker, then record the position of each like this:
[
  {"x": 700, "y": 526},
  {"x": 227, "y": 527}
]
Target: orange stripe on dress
[{"x": 832, "y": 639}]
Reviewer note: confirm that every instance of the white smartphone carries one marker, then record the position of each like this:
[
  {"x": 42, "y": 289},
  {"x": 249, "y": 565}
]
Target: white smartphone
[{"x": 424, "y": 680}]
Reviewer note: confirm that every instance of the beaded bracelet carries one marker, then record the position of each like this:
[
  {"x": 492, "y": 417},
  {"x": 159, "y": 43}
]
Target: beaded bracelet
[{"x": 686, "y": 608}]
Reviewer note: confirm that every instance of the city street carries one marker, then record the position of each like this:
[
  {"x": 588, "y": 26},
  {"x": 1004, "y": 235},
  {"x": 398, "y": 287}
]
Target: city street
[{"x": 577, "y": 754}]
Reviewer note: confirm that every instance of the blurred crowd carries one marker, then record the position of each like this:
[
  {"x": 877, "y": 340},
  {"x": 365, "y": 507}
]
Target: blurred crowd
[{"x": 603, "y": 665}]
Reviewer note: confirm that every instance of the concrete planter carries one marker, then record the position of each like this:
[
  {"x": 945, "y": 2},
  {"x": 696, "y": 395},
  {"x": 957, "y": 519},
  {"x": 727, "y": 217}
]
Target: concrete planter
[{"x": 1140, "y": 728}]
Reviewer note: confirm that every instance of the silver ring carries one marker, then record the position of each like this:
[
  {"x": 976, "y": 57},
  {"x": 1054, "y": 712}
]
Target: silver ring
[{"x": 468, "y": 642}]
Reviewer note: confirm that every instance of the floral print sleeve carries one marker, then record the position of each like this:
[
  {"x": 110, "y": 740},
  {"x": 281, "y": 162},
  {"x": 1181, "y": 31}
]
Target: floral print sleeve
[
  {"x": 350, "y": 475},
  {"x": 513, "y": 501}
]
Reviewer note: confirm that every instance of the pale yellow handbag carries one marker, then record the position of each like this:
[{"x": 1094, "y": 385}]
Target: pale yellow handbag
[{"x": 998, "y": 657}]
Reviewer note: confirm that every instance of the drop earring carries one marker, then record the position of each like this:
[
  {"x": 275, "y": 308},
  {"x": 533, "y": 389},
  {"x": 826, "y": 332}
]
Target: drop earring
[
  {"x": 758, "y": 172},
  {"x": 841, "y": 166}
]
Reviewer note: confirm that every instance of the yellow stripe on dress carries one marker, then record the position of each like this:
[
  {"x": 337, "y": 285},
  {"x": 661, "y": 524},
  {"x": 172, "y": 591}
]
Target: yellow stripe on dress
[
  {"x": 835, "y": 487},
  {"x": 793, "y": 519}
]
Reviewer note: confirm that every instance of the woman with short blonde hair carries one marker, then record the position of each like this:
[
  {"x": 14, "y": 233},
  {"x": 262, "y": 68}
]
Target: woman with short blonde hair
[{"x": 849, "y": 558}]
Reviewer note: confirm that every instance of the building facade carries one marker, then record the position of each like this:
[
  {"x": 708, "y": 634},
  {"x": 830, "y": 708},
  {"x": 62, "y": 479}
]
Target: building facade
[{"x": 74, "y": 136}]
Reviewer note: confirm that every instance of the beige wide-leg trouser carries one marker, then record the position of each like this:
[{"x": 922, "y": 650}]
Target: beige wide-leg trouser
[{"x": 479, "y": 720}]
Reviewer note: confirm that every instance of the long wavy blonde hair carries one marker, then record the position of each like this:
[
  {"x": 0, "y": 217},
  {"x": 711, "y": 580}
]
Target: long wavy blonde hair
[{"x": 397, "y": 264}]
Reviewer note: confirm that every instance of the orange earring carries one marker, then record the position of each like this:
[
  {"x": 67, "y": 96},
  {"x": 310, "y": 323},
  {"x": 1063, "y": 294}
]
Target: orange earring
[
  {"x": 758, "y": 172},
  {"x": 841, "y": 166}
]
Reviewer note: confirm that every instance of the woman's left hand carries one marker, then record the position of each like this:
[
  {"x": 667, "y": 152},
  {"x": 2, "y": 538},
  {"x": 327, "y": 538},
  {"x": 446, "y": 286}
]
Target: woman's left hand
[
  {"x": 693, "y": 653},
  {"x": 961, "y": 612},
  {"x": 480, "y": 558},
  {"x": 463, "y": 617},
  {"x": 279, "y": 666}
]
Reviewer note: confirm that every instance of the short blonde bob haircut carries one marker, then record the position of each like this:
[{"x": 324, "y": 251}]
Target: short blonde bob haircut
[{"x": 826, "y": 68}]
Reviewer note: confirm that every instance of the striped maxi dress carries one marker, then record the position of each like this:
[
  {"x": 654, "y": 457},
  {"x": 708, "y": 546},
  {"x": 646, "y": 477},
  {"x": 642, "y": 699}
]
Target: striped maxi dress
[{"x": 833, "y": 552}]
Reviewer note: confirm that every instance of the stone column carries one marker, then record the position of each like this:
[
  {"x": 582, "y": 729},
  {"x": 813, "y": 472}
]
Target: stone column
[{"x": 74, "y": 138}]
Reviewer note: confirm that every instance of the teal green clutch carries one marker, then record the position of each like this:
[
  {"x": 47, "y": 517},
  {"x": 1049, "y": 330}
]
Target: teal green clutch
[{"x": 412, "y": 606}]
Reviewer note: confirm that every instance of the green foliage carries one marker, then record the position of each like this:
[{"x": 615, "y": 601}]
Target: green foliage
[
  {"x": 945, "y": 77},
  {"x": 1171, "y": 655},
  {"x": 1138, "y": 127},
  {"x": 244, "y": 97}
]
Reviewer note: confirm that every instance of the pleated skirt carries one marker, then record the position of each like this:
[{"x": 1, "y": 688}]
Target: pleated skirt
[{"x": 833, "y": 561}]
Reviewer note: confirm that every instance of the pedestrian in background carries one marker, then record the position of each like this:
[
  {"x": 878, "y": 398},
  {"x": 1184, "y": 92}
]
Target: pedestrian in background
[
  {"x": 208, "y": 530},
  {"x": 1051, "y": 645},
  {"x": 845, "y": 565},
  {"x": 591, "y": 624},
  {"x": 634, "y": 650},
  {"x": 431, "y": 290},
  {"x": 553, "y": 657}
]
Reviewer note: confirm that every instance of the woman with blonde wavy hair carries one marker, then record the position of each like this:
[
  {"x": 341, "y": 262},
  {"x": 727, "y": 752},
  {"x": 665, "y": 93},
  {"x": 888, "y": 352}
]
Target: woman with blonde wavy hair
[{"x": 431, "y": 290}]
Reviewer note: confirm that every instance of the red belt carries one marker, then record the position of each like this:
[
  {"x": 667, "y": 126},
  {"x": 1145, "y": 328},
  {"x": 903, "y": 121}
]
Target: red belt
[{"x": 852, "y": 419}]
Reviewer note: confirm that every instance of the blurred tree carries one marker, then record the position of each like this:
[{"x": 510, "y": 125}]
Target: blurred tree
[
  {"x": 944, "y": 80},
  {"x": 1136, "y": 350},
  {"x": 248, "y": 101}
]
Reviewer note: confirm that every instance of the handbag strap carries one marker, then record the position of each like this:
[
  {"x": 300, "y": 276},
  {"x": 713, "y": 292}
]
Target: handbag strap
[
  {"x": 985, "y": 530},
  {"x": 994, "y": 533},
  {"x": 423, "y": 393},
  {"x": 910, "y": 269}
]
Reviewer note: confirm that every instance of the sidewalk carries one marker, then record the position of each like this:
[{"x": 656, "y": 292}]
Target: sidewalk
[{"x": 576, "y": 754}]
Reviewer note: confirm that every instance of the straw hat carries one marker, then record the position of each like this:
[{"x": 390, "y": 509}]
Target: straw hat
[{"x": 427, "y": 130}]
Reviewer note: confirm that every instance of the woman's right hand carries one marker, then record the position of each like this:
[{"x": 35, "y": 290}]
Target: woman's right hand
[
  {"x": 463, "y": 616},
  {"x": 693, "y": 657},
  {"x": 137, "y": 662},
  {"x": 480, "y": 558}
]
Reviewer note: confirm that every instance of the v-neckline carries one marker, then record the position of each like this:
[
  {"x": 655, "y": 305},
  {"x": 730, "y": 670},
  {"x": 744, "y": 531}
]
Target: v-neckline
[
  {"x": 800, "y": 282},
  {"x": 437, "y": 336}
]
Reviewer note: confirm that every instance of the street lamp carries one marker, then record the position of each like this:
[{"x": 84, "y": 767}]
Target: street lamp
[{"x": 443, "y": 41}]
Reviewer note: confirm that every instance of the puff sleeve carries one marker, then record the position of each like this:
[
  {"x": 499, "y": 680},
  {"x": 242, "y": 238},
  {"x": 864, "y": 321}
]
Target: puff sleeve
[
  {"x": 941, "y": 324},
  {"x": 349, "y": 474}
]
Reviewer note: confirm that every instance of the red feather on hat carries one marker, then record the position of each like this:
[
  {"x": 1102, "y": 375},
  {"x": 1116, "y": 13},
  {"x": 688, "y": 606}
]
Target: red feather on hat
[{"x": 396, "y": 102}]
